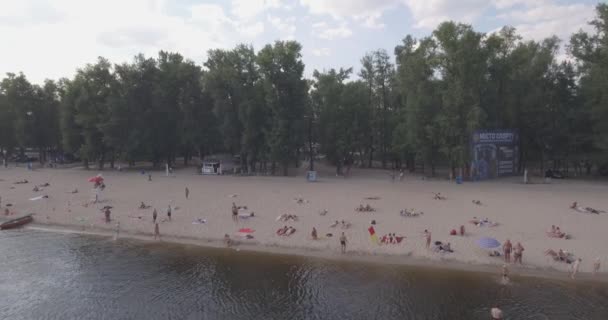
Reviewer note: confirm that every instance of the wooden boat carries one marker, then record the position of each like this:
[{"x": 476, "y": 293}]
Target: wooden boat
[{"x": 17, "y": 222}]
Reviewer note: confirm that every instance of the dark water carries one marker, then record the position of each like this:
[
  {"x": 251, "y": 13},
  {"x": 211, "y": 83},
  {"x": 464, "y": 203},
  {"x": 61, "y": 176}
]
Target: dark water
[{"x": 58, "y": 276}]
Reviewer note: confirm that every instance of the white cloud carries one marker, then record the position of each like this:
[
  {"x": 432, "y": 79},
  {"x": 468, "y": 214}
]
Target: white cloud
[
  {"x": 251, "y": 30},
  {"x": 371, "y": 21},
  {"x": 429, "y": 13},
  {"x": 248, "y": 9},
  {"x": 320, "y": 52},
  {"x": 550, "y": 19},
  {"x": 286, "y": 26},
  {"x": 77, "y": 32},
  {"x": 366, "y": 12},
  {"x": 322, "y": 31}
]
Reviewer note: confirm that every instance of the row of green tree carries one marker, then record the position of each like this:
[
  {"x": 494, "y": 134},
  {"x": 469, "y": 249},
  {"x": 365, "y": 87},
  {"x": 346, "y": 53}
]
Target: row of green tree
[{"x": 420, "y": 109}]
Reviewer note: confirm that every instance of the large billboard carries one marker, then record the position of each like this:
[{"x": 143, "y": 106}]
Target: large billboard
[{"x": 494, "y": 153}]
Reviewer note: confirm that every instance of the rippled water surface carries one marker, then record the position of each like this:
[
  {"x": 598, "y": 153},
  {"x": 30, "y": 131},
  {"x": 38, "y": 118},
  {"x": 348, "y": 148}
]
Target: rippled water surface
[{"x": 62, "y": 276}]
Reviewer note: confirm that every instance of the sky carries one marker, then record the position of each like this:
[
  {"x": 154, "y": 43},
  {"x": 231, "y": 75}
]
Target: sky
[{"x": 53, "y": 38}]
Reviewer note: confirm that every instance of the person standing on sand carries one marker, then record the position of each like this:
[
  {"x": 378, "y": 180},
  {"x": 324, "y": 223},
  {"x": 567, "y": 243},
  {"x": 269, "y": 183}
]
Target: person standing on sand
[
  {"x": 117, "y": 231},
  {"x": 343, "y": 243},
  {"x": 154, "y": 215},
  {"x": 169, "y": 212},
  {"x": 107, "y": 213},
  {"x": 575, "y": 267},
  {"x": 596, "y": 266},
  {"x": 506, "y": 248},
  {"x": 156, "y": 231},
  {"x": 427, "y": 236},
  {"x": 314, "y": 233},
  {"x": 496, "y": 313},
  {"x": 149, "y": 177},
  {"x": 187, "y": 193},
  {"x": 518, "y": 253},
  {"x": 235, "y": 212}
]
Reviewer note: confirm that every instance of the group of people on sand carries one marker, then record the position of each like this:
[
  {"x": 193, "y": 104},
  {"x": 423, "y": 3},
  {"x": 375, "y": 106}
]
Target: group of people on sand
[
  {"x": 286, "y": 231},
  {"x": 365, "y": 208},
  {"x": 410, "y": 213},
  {"x": 287, "y": 216},
  {"x": 518, "y": 252},
  {"x": 391, "y": 238},
  {"x": 343, "y": 224},
  {"x": 438, "y": 196},
  {"x": 485, "y": 222}
]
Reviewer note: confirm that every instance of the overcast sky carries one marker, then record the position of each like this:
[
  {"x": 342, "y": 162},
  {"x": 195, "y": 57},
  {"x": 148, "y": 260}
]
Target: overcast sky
[{"x": 51, "y": 38}]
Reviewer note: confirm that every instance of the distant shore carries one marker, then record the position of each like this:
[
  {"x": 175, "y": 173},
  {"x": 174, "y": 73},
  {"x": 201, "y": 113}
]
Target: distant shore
[{"x": 523, "y": 214}]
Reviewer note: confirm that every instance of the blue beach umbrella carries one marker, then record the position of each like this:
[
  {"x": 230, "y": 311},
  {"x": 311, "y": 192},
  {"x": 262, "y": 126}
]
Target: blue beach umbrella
[{"x": 488, "y": 243}]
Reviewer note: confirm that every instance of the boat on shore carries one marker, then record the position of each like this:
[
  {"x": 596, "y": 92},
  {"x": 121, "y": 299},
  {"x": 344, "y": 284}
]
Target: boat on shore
[{"x": 17, "y": 222}]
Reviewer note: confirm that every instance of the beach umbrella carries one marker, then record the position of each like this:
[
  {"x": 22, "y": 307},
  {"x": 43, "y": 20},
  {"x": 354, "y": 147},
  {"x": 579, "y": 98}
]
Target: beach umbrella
[{"x": 488, "y": 243}]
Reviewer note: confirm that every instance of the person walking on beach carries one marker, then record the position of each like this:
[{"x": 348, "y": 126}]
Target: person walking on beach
[
  {"x": 187, "y": 193},
  {"x": 343, "y": 243},
  {"x": 154, "y": 215},
  {"x": 235, "y": 212},
  {"x": 169, "y": 212},
  {"x": 518, "y": 253},
  {"x": 575, "y": 267},
  {"x": 107, "y": 213},
  {"x": 506, "y": 248},
  {"x": 596, "y": 266},
  {"x": 156, "y": 231},
  {"x": 427, "y": 236},
  {"x": 149, "y": 177},
  {"x": 496, "y": 313}
]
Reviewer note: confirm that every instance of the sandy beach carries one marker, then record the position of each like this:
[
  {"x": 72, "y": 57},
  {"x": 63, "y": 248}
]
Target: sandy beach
[{"x": 523, "y": 212}]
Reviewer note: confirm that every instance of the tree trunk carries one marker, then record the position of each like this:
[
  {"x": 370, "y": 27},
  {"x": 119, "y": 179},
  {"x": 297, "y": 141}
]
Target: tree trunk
[
  {"x": 85, "y": 162},
  {"x": 285, "y": 168},
  {"x": 112, "y": 160},
  {"x": 273, "y": 167},
  {"x": 371, "y": 156}
]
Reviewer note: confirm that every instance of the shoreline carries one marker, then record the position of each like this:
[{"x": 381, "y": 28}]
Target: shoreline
[
  {"x": 522, "y": 213},
  {"x": 351, "y": 256}
]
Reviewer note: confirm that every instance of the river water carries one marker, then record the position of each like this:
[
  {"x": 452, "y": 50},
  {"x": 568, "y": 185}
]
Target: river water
[{"x": 47, "y": 275}]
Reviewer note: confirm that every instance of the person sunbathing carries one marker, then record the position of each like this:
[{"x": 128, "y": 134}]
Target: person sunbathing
[
  {"x": 438, "y": 196},
  {"x": 477, "y": 202},
  {"x": 591, "y": 210},
  {"x": 143, "y": 206},
  {"x": 46, "y": 184},
  {"x": 21, "y": 181},
  {"x": 323, "y": 212},
  {"x": 291, "y": 230},
  {"x": 36, "y": 189},
  {"x": 74, "y": 191},
  {"x": 335, "y": 224},
  {"x": 345, "y": 225},
  {"x": 560, "y": 255},
  {"x": 282, "y": 231},
  {"x": 384, "y": 239}
]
